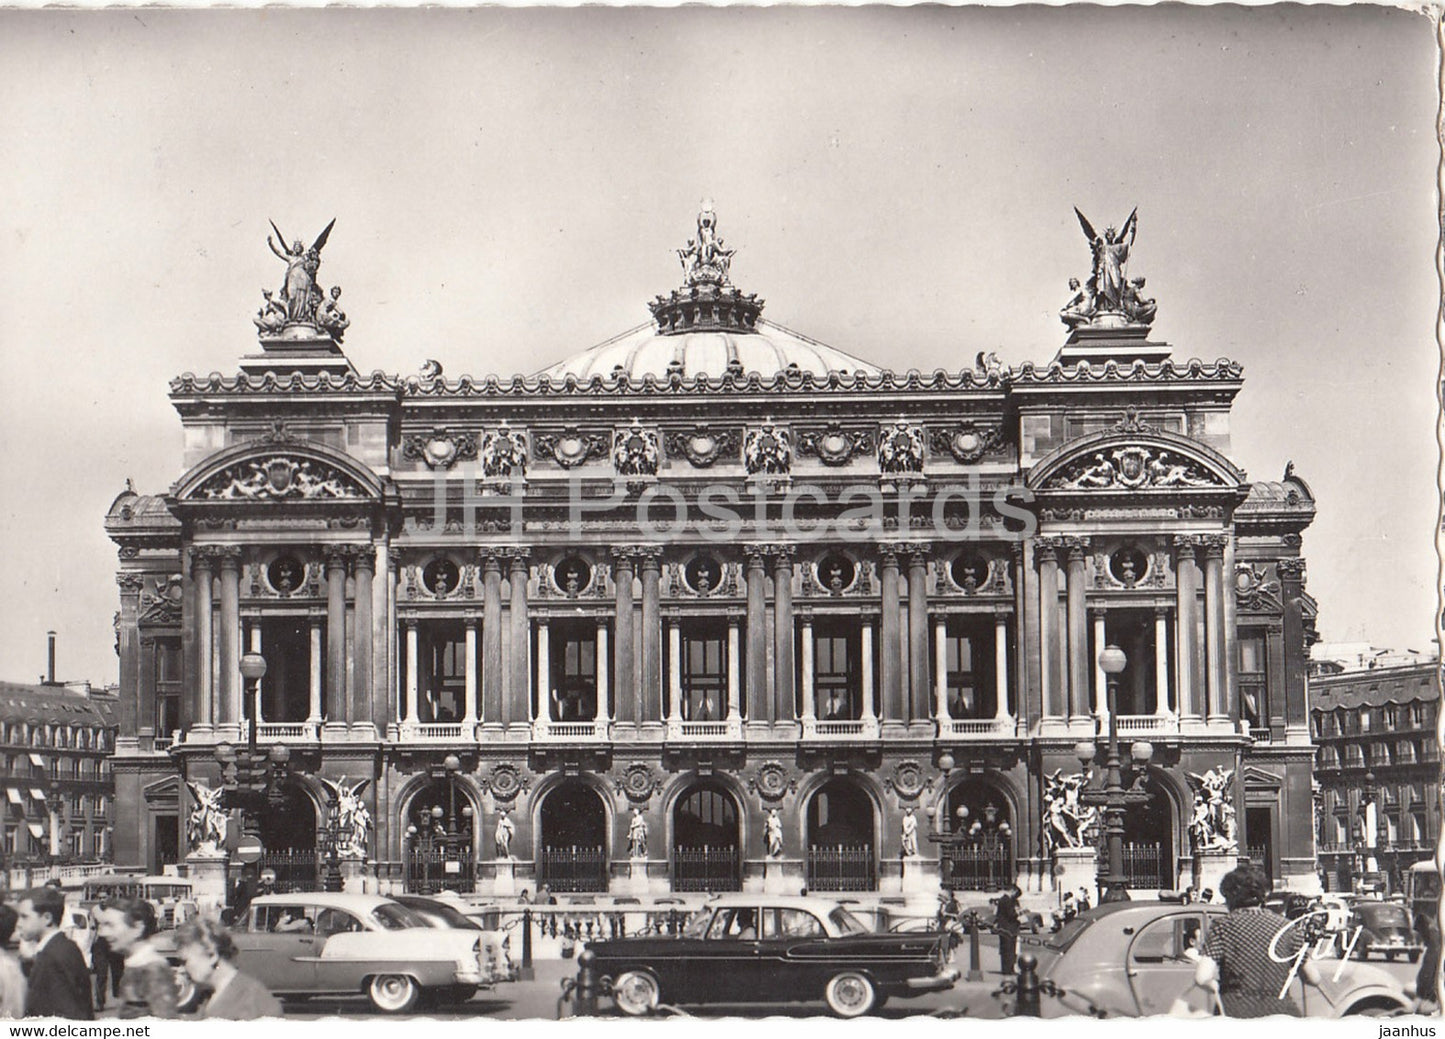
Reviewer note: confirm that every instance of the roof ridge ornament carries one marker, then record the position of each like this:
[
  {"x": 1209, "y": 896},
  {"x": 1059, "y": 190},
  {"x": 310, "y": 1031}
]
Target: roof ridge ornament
[
  {"x": 1109, "y": 298},
  {"x": 707, "y": 300}
]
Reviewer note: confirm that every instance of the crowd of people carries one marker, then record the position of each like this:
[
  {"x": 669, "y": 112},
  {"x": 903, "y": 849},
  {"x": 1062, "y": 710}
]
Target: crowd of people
[{"x": 49, "y": 977}]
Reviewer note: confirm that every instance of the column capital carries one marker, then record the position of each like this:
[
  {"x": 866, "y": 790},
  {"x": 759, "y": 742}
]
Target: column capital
[
  {"x": 519, "y": 558},
  {"x": 130, "y": 583},
  {"x": 1291, "y": 569},
  {"x": 491, "y": 560},
  {"x": 623, "y": 556},
  {"x": 1016, "y": 550},
  {"x": 888, "y": 554},
  {"x": 1046, "y": 547},
  {"x": 1097, "y": 613},
  {"x": 363, "y": 557},
  {"x": 804, "y": 614},
  {"x": 338, "y": 557},
  {"x": 649, "y": 557},
  {"x": 917, "y": 552},
  {"x": 204, "y": 557},
  {"x": 1077, "y": 548},
  {"x": 1161, "y": 613},
  {"x": 756, "y": 556},
  {"x": 1184, "y": 543},
  {"x": 782, "y": 556},
  {"x": 1002, "y": 612},
  {"x": 1214, "y": 545},
  {"x": 227, "y": 556}
]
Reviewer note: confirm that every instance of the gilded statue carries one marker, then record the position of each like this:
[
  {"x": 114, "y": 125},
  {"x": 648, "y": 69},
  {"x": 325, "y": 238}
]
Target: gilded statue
[{"x": 299, "y": 292}]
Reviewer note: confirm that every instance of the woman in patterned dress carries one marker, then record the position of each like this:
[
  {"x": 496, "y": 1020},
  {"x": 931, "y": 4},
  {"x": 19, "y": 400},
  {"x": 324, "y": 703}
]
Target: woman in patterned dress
[{"x": 1236, "y": 951}]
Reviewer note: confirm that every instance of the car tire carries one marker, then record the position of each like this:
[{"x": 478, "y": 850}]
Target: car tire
[
  {"x": 393, "y": 993},
  {"x": 636, "y": 993},
  {"x": 850, "y": 994},
  {"x": 186, "y": 991}
]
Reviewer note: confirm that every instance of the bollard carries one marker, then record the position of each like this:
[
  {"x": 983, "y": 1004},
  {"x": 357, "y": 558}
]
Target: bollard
[
  {"x": 1028, "y": 987},
  {"x": 527, "y": 973},
  {"x": 975, "y": 967},
  {"x": 586, "y": 984}
]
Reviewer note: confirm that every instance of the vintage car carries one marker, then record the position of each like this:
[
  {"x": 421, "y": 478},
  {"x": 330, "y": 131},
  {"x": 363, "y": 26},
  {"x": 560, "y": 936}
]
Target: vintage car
[
  {"x": 444, "y": 913},
  {"x": 311, "y": 944},
  {"x": 765, "y": 949},
  {"x": 1385, "y": 930},
  {"x": 1135, "y": 959}
]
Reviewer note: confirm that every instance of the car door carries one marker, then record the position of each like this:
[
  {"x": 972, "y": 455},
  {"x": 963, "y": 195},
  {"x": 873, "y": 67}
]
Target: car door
[
  {"x": 277, "y": 946},
  {"x": 782, "y": 975},
  {"x": 1160, "y": 960},
  {"x": 335, "y": 974},
  {"x": 722, "y": 967}
]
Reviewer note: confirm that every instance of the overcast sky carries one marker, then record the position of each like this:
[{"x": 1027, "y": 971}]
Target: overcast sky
[{"x": 509, "y": 185}]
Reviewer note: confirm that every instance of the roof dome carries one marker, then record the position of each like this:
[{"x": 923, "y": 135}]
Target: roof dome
[{"x": 707, "y": 327}]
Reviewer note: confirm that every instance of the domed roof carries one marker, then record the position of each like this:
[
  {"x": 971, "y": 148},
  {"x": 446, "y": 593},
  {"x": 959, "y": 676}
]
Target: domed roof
[
  {"x": 707, "y": 327},
  {"x": 767, "y": 349}
]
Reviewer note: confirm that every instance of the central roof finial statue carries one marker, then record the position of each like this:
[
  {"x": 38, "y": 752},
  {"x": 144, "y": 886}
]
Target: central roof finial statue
[
  {"x": 707, "y": 300},
  {"x": 302, "y": 309},
  {"x": 1109, "y": 299}
]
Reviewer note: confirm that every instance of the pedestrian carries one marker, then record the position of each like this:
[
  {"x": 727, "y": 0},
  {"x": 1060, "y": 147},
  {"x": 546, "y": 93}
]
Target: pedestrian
[
  {"x": 100, "y": 960},
  {"x": 1069, "y": 909},
  {"x": 12, "y": 978},
  {"x": 545, "y": 896},
  {"x": 1245, "y": 957},
  {"x": 1427, "y": 993},
  {"x": 59, "y": 983},
  {"x": 525, "y": 898},
  {"x": 207, "y": 952},
  {"x": 1084, "y": 903},
  {"x": 1006, "y": 924},
  {"x": 1207, "y": 895},
  {"x": 148, "y": 988}
]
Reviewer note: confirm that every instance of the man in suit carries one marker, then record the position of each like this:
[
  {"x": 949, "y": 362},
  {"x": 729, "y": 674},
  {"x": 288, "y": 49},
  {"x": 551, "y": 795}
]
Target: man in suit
[{"x": 59, "y": 982}]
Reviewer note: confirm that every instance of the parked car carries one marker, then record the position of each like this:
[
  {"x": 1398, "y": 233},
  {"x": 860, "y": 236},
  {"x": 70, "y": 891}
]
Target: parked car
[
  {"x": 443, "y": 913},
  {"x": 309, "y": 944},
  {"x": 747, "y": 948},
  {"x": 1385, "y": 931},
  {"x": 1134, "y": 959}
]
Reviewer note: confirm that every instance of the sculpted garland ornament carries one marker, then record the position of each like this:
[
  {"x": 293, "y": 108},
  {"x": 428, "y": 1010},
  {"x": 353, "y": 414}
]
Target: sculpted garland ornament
[
  {"x": 504, "y": 453},
  {"x": 505, "y": 782},
  {"x": 835, "y": 445},
  {"x": 703, "y": 446},
  {"x": 967, "y": 442},
  {"x": 279, "y": 478},
  {"x": 571, "y": 447}
]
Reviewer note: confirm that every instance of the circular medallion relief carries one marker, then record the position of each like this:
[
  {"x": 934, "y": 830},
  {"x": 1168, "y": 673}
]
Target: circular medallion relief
[
  {"x": 440, "y": 452},
  {"x": 836, "y": 573},
  {"x": 772, "y": 781},
  {"x": 569, "y": 451},
  {"x": 505, "y": 783},
  {"x": 572, "y": 576},
  {"x": 1128, "y": 565},
  {"x": 638, "y": 782},
  {"x": 969, "y": 571},
  {"x": 441, "y": 576},
  {"x": 285, "y": 574},
  {"x": 908, "y": 779},
  {"x": 703, "y": 574}
]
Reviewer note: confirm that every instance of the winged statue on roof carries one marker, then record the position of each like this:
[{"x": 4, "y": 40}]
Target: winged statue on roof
[
  {"x": 1108, "y": 290},
  {"x": 301, "y": 300}
]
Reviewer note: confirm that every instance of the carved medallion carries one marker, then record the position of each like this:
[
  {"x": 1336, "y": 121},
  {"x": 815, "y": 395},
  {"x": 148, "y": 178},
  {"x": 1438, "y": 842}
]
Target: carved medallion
[
  {"x": 505, "y": 782},
  {"x": 836, "y": 573},
  {"x": 772, "y": 783},
  {"x": 441, "y": 577},
  {"x": 572, "y": 576},
  {"x": 285, "y": 575},
  {"x": 702, "y": 574},
  {"x": 835, "y": 445},
  {"x": 907, "y": 780},
  {"x": 638, "y": 782},
  {"x": 635, "y": 451},
  {"x": 1129, "y": 566},
  {"x": 440, "y": 450},
  {"x": 969, "y": 571},
  {"x": 571, "y": 447},
  {"x": 703, "y": 446},
  {"x": 967, "y": 442}
]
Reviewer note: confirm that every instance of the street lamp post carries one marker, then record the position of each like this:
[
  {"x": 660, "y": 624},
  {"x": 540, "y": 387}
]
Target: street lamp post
[{"x": 1115, "y": 797}]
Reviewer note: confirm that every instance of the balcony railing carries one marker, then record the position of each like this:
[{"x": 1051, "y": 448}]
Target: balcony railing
[
  {"x": 284, "y": 732},
  {"x": 679, "y": 731},
  {"x": 1145, "y": 724},
  {"x": 568, "y": 732},
  {"x": 975, "y": 728},
  {"x": 1260, "y": 735},
  {"x": 435, "y": 732},
  {"x": 857, "y": 729}
]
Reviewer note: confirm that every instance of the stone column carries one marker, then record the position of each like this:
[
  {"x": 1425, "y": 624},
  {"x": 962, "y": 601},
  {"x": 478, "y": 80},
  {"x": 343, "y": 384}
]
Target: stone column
[
  {"x": 891, "y": 666},
  {"x": 492, "y": 679},
  {"x": 517, "y": 701},
  {"x": 674, "y": 670},
  {"x": 141, "y": 710},
  {"x": 629, "y": 707},
  {"x": 919, "y": 685},
  {"x": 544, "y": 671},
  {"x": 865, "y": 667},
  {"x": 413, "y": 672},
  {"x": 1076, "y": 584},
  {"x": 313, "y": 711},
  {"x": 1000, "y": 666},
  {"x": 783, "y": 698},
  {"x": 810, "y": 709},
  {"x": 335, "y": 635},
  {"x": 230, "y": 636},
  {"x": 734, "y": 712},
  {"x": 940, "y": 671},
  {"x": 1101, "y": 689},
  {"x": 203, "y": 706},
  {"x": 1186, "y": 640},
  {"x": 757, "y": 658},
  {"x": 1216, "y": 666},
  {"x": 1161, "y": 661},
  {"x": 1054, "y": 697},
  {"x": 365, "y": 638},
  {"x": 384, "y": 676},
  {"x": 604, "y": 663},
  {"x": 469, "y": 716},
  {"x": 651, "y": 682}
]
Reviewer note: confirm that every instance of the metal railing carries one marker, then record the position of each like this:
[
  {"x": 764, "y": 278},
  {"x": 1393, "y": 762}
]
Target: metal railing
[
  {"x": 296, "y": 870},
  {"x": 1147, "y": 866},
  {"x": 976, "y": 868},
  {"x": 573, "y": 868},
  {"x": 842, "y": 867},
  {"x": 706, "y": 869},
  {"x": 286, "y": 731},
  {"x": 439, "y": 868},
  {"x": 997, "y": 728}
]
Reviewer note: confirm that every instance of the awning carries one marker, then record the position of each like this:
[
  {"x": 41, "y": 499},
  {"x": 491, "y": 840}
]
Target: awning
[
  {"x": 37, "y": 793},
  {"x": 36, "y": 830},
  {"x": 13, "y": 795},
  {"x": 36, "y": 759}
]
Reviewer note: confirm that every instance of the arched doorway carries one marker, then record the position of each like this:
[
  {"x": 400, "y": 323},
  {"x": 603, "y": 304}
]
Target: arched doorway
[
  {"x": 1148, "y": 842},
  {"x": 840, "y": 845},
  {"x": 705, "y": 840},
  {"x": 438, "y": 837},
  {"x": 572, "y": 848},
  {"x": 288, "y": 837},
  {"x": 978, "y": 851}
]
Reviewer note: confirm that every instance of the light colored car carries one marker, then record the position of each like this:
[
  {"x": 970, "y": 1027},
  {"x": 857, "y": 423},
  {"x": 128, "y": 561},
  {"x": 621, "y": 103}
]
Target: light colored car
[
  {"x": 1135, "y": 959},
  {"x": 310, "y": 944}
]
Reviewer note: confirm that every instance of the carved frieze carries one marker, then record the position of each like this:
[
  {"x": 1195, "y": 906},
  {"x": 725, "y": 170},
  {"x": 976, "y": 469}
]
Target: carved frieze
[
  {"x": 440, "y": 449},
  {"x": 1255, "y": 589},
  {"x": 160, "y": 600},
  {"x": 1133, "y": 468},
  {"x": 571, "y": 447}
]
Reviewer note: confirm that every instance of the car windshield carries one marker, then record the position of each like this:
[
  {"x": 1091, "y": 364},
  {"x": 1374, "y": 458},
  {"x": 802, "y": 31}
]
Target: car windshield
[
  {"x": 448, "y": 915},
  {"x": 395, "y": 917},
  {"x": 846, "y": 922}
]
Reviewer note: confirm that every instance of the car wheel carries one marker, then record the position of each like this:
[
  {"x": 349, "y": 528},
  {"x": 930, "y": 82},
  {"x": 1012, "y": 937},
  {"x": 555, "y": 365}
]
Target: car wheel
[
  {"x": 850, "y": 994},
  {"x": 393, "y": 993},
  {"x": 185, "y": 991},
  {"x": 635, "y": 992}
]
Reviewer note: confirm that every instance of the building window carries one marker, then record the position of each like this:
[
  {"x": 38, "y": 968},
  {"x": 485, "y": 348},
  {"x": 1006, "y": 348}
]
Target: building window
[
  {"x": 1133, "y": 631},
  {"x": 168, "y": 680},
  {"x": 837, "y": 677},
  {"x": 1253, "y": 679},
  {"x": 286, "y": 688},
  {"x": 443, "y": 673},
  {"x": 573, "y": 670},
  {"x": 704, "y": 672},
  {"x": 968, "y": 651}
]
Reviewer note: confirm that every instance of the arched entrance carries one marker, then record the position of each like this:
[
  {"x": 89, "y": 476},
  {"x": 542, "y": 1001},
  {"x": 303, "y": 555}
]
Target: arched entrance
[
  {"x": 840, "y": 844},
  {"x": 978, "y": 852},
  {"x": 705, "y": 840},
  {"x": 1149, "y": 843},
  {"x": 572, "y": 839},
  {"x": 438, "y": 837},
  {"x": 288, "y": 837}
]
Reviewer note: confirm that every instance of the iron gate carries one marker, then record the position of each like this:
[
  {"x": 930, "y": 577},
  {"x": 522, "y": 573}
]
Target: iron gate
[
  {"x": 976, "y": 867},
  {"x": 296, "y": 870},
  {"x": 574, "y": 868},
  {"x": 842, "y": 867},
  {"x": 439, "y": 868},
  {"x": 1147, "y": 866},
  {"x": 703, "y": 868}
]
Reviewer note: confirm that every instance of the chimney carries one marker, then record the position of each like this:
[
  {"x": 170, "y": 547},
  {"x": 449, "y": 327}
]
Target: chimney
[{"x": 50, "y": 670}]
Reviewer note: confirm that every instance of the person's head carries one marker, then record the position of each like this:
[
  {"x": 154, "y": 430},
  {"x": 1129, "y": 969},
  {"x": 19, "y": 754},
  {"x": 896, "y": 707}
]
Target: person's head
[
  {"x": 53, "y": 882},
  {"x": 746, "y": 919},
  {"x": 1244, "y": 887},
  {"x": 40, "y": 912},
  {"x": 124, "y": 922},
  {"x": 1207, "y": 895},
  {"x": 1016, "y": 891},
  {"x": 203, "y": 945},
  {"x": 1068, "y": 896},
  {"x": 1074, "y": 283},
  {"x": 8, "y": 919}
]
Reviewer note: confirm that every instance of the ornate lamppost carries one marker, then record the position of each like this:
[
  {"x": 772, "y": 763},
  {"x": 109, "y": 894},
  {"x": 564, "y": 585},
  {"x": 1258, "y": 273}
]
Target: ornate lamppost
[
  {"x": 437, "y": 829},
  {"x": 253, "y": 778},
  {"x": 1115, "y": 797}
]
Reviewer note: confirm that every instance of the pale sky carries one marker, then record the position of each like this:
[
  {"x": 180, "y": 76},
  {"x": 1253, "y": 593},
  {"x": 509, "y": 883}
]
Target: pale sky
[{"x": 509, "y": 187}]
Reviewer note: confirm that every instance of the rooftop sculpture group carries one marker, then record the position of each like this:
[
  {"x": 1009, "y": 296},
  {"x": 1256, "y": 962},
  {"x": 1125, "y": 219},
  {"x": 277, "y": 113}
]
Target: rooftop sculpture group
[
  {"x": 1109, "y": 298},
  {"x": 302, "y": 304}
]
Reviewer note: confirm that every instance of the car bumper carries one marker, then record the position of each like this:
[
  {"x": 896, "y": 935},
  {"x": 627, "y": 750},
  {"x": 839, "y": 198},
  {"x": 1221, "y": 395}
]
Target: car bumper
[
  {"x": 470, "y": 977},
  {"x": 937, "y": 983},
  {"x": 1400, "y": 948}
]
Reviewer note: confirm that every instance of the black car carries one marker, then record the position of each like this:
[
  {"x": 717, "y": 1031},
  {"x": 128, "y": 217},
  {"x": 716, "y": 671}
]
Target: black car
[
  {"x": 1385, "y": 930},
  {"x": 772, "y": 949}
]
